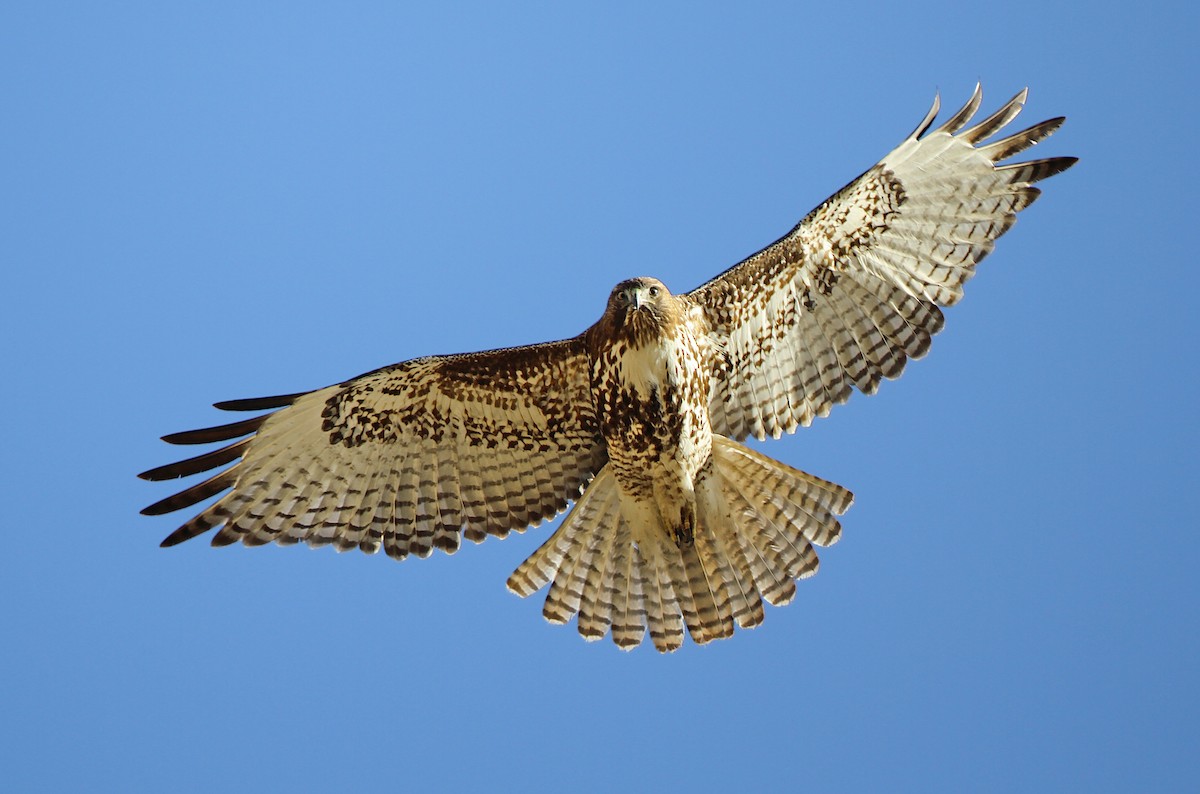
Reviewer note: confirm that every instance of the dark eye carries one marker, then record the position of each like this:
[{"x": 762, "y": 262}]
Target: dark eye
[{"x": 654, "y": 292}]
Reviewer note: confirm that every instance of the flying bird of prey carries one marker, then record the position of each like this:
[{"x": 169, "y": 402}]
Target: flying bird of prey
[{"x": 637, "y": 420}]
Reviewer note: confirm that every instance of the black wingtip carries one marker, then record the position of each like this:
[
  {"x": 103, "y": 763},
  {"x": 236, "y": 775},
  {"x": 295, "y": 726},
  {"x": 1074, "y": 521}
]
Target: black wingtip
[
  {"x": 190, "y": 496},
  {"x": 205, "y": 462},
  {"x": 1060, "y": 164},
  {"x": 208, "y": 435},
  {"x": 1037, "y": 170},
  {"x": 159, "y": 508},
  {"x": 259, "y": 403},
  {"x": 192, "y": 529}
]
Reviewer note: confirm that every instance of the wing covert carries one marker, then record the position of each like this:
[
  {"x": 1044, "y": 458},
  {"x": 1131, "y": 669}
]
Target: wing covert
[
  {"x": 405, "y": 458},
  {"x": 855, "y": 289}
]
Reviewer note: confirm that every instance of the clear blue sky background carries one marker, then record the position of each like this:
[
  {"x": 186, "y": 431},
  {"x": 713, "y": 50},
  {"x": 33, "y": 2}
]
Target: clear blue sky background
[{"x": 209, "y": 201}]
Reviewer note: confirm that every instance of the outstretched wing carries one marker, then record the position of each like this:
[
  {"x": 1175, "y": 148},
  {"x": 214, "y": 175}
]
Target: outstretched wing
[
  {"x": 853, "y": 291},
  {"x": 405, "y": 458}
]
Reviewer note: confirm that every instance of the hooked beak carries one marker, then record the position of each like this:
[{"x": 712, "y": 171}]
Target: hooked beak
[{"x": 635, "y": 297}]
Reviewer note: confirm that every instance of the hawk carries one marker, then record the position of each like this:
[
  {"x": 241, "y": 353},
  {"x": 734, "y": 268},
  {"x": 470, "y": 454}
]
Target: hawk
[{"x": 637, "y": 421}]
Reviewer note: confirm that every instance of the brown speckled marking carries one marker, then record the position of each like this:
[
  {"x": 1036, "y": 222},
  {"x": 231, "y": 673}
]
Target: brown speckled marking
[{"x": 650, "y": 368}]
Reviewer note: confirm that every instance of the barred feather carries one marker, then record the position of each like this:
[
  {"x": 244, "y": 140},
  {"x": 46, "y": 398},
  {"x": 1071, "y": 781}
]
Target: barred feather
[
  {"x": 913, "y": 226},
  {"x": 404, "y": 458},
  {"x": 757, "y": 525}
]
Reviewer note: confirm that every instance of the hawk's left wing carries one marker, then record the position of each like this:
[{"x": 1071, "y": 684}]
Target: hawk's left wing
[
  {"x": 854, "y": 290},
  {"x": 404, "y": 458}
]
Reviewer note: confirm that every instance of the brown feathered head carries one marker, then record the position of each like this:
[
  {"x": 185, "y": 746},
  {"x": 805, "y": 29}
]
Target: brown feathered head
[{"x": 642, "y": 308}]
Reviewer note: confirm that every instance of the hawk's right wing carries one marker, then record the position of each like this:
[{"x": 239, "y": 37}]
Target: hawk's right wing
[{"x": 853, "y": 292}]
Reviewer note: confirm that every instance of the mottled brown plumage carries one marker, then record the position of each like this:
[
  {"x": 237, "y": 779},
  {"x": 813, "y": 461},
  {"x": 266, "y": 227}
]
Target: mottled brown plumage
[{"x": 675, "y": 525}]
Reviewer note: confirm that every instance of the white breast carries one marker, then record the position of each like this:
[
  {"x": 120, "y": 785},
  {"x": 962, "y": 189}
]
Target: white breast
[{"x": 648, "y": 368}]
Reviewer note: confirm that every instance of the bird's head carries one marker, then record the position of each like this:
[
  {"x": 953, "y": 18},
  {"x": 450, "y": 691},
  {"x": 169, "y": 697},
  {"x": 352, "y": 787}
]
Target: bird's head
[
  {"x": 642, "y": 294},
  {"x": 642, "y": 306}
]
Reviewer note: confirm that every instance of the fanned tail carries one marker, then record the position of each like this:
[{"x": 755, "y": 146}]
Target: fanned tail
[{"x": 758, "y": 521}]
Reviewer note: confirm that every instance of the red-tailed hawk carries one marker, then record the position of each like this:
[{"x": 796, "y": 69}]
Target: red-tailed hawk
[{"x": 637, "y": 420}]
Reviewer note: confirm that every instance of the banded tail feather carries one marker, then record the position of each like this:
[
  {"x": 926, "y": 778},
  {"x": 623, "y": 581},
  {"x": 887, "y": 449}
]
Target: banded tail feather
[{"x": 758, "y": 521}]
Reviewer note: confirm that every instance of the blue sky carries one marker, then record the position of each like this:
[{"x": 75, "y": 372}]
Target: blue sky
[{"x": 210, "y": 201}]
